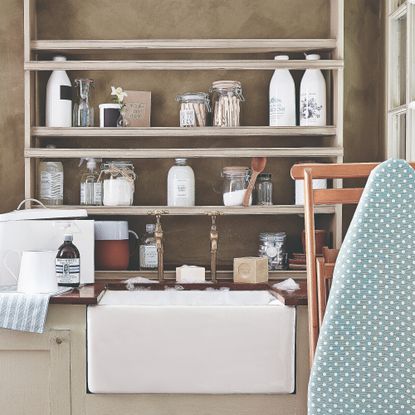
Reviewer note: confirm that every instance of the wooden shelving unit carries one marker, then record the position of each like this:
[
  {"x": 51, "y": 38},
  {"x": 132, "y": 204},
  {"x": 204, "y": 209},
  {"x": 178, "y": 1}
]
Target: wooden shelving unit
[{"x": 92, "y": 55}]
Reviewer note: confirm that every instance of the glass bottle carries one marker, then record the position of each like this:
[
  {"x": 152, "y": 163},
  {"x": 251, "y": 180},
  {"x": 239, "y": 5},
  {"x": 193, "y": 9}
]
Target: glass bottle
[
  {"x": 83, "y": 111},
  {"x": 181, "y": 184},
  {"x": 68, "y": 264},
  {"x": 50, "y": 181},
  {"x": 91, "y": 189},
  {"x": 263, "y": 189},
  {"x": 148, "y": 249}
]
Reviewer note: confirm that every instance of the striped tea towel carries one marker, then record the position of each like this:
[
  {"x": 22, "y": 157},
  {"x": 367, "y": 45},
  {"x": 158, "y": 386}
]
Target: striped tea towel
[{"x": 24, "y": 312}]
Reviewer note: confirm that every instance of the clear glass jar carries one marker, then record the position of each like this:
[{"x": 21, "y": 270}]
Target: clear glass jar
[
  {"x": 273, "y": 246},
  {"x": 83, "y": 110},
  {"x": 263, "y": 189},
  {"x": 194, "y": 109},
  {"x": 235, "y": 183},
  {"x": 226, "y": 99},
  {"x": 118, "y": 179}
]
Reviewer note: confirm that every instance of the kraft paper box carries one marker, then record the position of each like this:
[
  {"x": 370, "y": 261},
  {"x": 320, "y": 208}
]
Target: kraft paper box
[
  {"x": 17, "y": 236},
  {"x": 138, "y": 108}
]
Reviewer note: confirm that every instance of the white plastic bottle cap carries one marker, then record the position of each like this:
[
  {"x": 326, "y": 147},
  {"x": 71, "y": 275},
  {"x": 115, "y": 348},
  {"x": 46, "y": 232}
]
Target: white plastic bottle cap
[
  {"x": 281, "y": 58},
  {"x": 313, "y": 57},
  {"x": 59, "y": 59}
]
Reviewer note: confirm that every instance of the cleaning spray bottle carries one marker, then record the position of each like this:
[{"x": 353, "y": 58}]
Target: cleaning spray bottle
[{"x": 91, "y": 189}]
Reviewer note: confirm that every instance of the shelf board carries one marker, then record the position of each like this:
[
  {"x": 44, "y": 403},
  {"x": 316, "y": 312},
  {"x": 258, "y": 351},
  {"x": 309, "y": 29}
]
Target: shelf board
[
  {"x": 181, "y": 65},
  {"x": 198, "y": 210},
  {"x": 160, "y": 153},
  {"x": 184, "y": 132},
  {"x": 185, "y": 45},
  {"x": 171, "y": 275}
]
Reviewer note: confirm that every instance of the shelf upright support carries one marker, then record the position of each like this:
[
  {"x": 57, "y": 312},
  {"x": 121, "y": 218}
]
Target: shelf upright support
[{"x": 29, "y": 96}]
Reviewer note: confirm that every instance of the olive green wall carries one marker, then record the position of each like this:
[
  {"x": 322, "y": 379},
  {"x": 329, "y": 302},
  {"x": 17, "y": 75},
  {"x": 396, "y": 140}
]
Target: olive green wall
[{"x": 363, "y": 50}]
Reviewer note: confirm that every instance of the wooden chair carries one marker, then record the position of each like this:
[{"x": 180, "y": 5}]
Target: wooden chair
[{"x": 319, "y": 272}]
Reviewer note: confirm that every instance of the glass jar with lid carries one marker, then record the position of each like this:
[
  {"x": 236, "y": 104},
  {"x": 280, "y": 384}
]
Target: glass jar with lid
[
  {"x": 235, "y": 183},
  {"x": 118, "y": 179},
  {"x": 194, "y": 109},
  {"x": 263, "y": 189},
  {"x": 226, "y": 99},
  {"x": 273, "y": 246}
]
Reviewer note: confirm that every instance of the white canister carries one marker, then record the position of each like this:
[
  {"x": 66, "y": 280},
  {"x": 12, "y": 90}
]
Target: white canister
[
  {"x": 313, "y": 105},
  {"x": 59, "y": 98},
  {"x": 299, "y": 189},
  {"x": 181, "y": 184},
  {"x": 282, "y": 107},
  {"x": 109, "y": 115}
]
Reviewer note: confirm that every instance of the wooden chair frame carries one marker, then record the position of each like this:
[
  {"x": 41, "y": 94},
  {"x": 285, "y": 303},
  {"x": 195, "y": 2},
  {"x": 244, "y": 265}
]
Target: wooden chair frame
[{"x": 319, "y": 273}]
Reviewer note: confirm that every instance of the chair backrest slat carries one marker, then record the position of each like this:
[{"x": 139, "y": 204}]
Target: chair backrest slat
[{"x": 337, "y": 196}]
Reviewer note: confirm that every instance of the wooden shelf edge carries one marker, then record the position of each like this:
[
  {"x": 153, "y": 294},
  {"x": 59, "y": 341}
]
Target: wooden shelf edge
[
  {"x": 183, "y": 132},
  {"x": 185, "y": 45},
  {"x": 160, "y": 153},
  {"x": 181, "y": 65},
  {"x": 197, "y": 210}
]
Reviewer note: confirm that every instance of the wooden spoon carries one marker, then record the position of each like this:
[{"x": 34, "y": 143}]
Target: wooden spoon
[{"x": 257, "y": 165}]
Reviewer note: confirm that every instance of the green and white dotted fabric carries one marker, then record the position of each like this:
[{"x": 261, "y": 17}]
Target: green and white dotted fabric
[{"x": 365, "y": 359}]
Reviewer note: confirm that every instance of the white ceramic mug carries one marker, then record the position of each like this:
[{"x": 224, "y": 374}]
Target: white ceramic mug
[{"x": 37, "y": 272}]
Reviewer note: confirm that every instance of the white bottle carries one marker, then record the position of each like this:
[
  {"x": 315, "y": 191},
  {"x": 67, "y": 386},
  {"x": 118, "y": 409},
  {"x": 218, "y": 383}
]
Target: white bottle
[
  {"x": 282, "y": 97},
  {"x": 313, "y": 105},
  {"x": 59, "y": 98},
  {"x": 50, "y": 183},
  {"x": 91, "y": 189},
  {"x": 181, "y": 184}
]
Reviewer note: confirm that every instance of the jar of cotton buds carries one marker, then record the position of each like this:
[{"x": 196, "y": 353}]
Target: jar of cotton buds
[
  {"x": 226, "y": 99},
  {"x": 194, "y": 109}
]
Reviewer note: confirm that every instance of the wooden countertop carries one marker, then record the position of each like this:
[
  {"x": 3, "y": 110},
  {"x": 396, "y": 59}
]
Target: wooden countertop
[{"x": 91, "y": 293}]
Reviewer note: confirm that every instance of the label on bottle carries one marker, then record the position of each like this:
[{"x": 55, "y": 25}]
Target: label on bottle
[
  {"x": 51, "y": 185},
  {"x": 82, "y": 195},
  {"x": 187, "y": 118},
  {"x": 148, "y": 256},
  {"x": 310, "y": 107},
  {"x": 277, "y": 108},
  {"x": 66, "y": 93},
  {"x": 68, "y": 270},
  {"x": 181, "y": 190}
]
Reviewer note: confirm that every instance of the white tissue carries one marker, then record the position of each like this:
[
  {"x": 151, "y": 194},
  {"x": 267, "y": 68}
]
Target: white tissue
[
  {"x": 287, "y": 285},
  {"x": 138, "y": 280}
]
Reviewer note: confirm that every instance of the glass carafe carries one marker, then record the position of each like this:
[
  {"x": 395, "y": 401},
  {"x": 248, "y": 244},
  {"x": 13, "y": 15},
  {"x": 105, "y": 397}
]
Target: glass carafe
[{"x": 83, "y": 111}]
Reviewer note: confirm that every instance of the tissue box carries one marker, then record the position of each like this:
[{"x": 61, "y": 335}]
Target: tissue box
[
  {"x": 190, "y": 274},
  {"x": 250, "y": 270}
]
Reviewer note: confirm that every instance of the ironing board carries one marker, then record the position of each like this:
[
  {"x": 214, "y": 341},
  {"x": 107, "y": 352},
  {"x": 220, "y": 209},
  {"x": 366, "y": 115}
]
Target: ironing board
[{"x": 365, "y": 358}]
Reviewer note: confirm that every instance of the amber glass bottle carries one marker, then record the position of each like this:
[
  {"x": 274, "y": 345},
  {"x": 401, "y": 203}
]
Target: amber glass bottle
[{"x": 68, "y": 264}]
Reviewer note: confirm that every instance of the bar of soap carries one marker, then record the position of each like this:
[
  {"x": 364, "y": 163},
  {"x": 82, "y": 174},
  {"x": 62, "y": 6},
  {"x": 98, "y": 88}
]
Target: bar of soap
[
  {"x": 251, "y": 270},
  {"x": 190, "y": 274}
]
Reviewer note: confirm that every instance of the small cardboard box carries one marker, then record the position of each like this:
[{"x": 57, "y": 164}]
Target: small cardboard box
[
  {"x": 138, "y": 108},
  {"x": 252, "y": 270}
]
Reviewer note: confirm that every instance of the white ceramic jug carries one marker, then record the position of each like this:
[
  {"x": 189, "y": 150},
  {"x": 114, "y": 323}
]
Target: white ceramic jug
[{"x": 37, "y": 272}]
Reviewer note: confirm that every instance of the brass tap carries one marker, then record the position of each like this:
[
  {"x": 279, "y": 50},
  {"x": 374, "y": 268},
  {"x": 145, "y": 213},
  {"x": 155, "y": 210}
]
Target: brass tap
[
  {"x": 214, "y": 236},
  {"x": 160, "y": 249}
]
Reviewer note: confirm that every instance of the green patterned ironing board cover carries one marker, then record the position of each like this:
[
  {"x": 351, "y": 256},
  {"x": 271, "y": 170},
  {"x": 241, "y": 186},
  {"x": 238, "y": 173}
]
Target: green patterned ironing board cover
[{"x": 365, "y": 358}]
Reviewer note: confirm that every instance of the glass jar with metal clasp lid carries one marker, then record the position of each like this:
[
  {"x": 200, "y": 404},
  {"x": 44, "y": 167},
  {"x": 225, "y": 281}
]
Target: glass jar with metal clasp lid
[
  {"x": 194, "y": 109},
  {"x": 118, "y": 178},
  {"x": 273, "y": 246},
  {"x": 235, "y": 183},
  {"x": 226, "y": 99}
]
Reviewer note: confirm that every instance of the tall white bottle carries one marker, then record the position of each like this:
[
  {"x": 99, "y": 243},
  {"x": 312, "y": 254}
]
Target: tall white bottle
[
  {"x": 181, "y": 184},
  {"x": 282, "y": 97},
  {"x": 313, "y": 105},
  {"x": 59, "y": 98}
]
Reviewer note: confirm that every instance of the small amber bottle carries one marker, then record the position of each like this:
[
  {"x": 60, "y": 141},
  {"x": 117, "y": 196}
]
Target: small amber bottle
[{"x": 68, "y": 264}]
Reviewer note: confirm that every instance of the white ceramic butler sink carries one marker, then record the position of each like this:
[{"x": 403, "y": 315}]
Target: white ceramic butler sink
[{"x": 220, "y": 342}]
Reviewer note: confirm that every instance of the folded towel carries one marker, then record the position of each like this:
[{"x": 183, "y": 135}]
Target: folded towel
[{"x": 24, "y": 312}]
